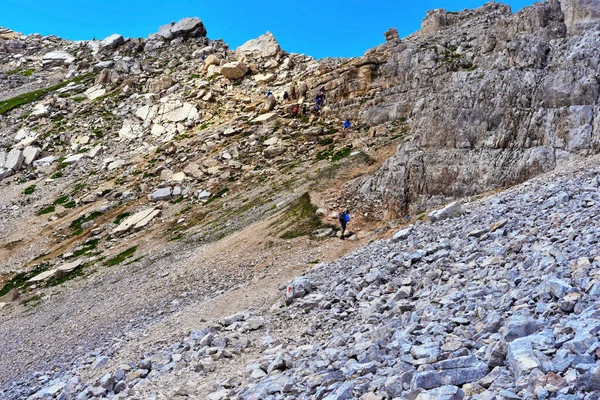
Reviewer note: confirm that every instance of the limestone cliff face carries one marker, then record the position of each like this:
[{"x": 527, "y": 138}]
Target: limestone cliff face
[
  {"x": 489, "y": 99},
  {"x": 581, "y": 15}
]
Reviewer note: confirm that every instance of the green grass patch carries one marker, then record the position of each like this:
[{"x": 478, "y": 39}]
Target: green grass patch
[
  {"x": 21, "y": 278},
  {"x": 62, "y": 200},
  {"x": 119, "y": 258},
  {"x": 68, "y": 277},
  {"x": 76, "y": 224},
  {"x": 88, "y": 246},
  {"x": 299, "y": 219},
  {"x": 25, "y": 98},
  {"x": 341, "y": 154},
  {"x": 21, "y": 71},
  {"x": 121, "y": 217},
  {"x": 219, "y": 194},
  {"x": 47, "y": 210},
  {"x": 56, "y": 175},
  {"x": 70, "y": 204},
  {"x": 29, "y": 190}
]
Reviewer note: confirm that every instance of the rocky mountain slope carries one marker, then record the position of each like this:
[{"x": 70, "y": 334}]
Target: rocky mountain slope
[{"x": 156, "y": 193}]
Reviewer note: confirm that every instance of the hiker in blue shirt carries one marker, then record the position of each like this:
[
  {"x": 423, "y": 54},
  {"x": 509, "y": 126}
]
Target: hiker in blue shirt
[
  {"x": 343, "y": 218},
  {"x": 347, "y": 124}
]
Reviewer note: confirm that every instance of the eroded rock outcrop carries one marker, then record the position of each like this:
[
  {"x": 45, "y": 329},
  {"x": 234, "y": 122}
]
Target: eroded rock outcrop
[{"x": 484, "y": 98}]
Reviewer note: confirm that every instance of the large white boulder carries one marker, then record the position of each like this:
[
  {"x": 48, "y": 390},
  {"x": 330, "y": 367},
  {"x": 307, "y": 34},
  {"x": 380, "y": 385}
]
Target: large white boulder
[
  {"x": 58, "y": 57},
  {"x": 30, "y": 154},
  {"x": 112, "y": 41},
  {"x": 234, "y": 70},
  {"x": 137, "y": 221},
  {"x": 14, "y": 160},
  {"x": 264, "y": 46}
]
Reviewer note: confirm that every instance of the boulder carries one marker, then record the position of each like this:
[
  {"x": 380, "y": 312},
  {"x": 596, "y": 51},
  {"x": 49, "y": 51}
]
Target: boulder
[
  {"x": 234, "y": 70},
  {"x": 188, "y": 27},
  {"x": 274, "y": 151},
  {"x": 30, "y": 154},
  {"x": 14, "y": 160},
  {"x": 265, "y": 46},
  {"x": 94, "y": 92},
  {"x": 2, "y": 158},
  {"x": 402, "y": 234},
  {"x": 161, "y": 194},
  {"x": 450, "y": 211},
  {"x": 112, "y": 42},
  {"x": 66, "y": 269},
  {"x": 268, "y": 117},
  {"x": 57, "y": 58},
  {"x": 39, "y": 110},
  {"x": 43, "y": 276},
  {"x": 159, "y": 84},
  {"x": 44, "y": 162},
  {"x": 5, "y": 173},
  {"x": 10, "y": 296},
  {"x": 74, "y": 158},
  {"x": 212, "y": 60},
  {"x": 137, "y": 221}
]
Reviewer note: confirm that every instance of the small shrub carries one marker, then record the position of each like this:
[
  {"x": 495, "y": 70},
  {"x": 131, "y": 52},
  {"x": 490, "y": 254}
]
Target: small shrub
[
  {"x": 47, "y": 210},
  {"x": 29, "y": 190}
]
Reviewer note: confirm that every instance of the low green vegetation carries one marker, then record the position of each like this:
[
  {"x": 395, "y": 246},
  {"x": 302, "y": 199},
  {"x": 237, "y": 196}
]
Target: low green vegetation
[
  {"x": 59, "y": 281},
  {"x": 21, "y": 71},
  {"x": 9, "y": 104},
  {"x": 47, "y": 210},
  {"x": 88, "y": 246},
  {"x": 76, "y": 224},
  {"x": 119, "y": 258},
  {"x": 56, "y": 175},
  {"x": 61, "y": 200},
  {"x": 218, "y": 195},
  {"x": 121, "y": 217},
  {"x": 333, "y": 155},
  {"x": 29, "y": 190},
  {"x": 299, "y": 219},
  {"x": 21, "y": 278}
]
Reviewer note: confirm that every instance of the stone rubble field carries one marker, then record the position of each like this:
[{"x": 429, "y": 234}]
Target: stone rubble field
[{"x": 497, "y": 300}]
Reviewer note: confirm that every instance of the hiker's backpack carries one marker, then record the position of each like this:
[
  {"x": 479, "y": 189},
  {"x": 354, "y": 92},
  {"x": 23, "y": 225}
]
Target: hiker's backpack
[{"x": 343, "y": 217}]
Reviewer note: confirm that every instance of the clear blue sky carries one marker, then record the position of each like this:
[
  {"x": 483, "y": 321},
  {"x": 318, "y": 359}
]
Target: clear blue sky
[{"x": 340, "y": 28}]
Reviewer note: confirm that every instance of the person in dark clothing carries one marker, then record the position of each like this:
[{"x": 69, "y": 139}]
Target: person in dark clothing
[
  {"x": 347, "y": 124},
  {"x": 343, "y": 218}
]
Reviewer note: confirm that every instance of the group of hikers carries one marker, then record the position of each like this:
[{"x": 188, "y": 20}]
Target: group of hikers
[{"x": 302, "y": 109}]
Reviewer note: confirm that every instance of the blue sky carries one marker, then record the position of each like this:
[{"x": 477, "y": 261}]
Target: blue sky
[{"x": 338, "y": 28}]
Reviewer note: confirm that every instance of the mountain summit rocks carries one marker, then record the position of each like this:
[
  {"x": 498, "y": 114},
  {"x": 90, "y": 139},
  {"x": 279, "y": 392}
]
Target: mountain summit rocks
[{"x": 265, "y": 46}]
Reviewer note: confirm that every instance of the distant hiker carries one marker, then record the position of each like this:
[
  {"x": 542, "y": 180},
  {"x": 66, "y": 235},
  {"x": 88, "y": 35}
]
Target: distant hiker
[
  {"x": 269, "y": 93},
  {"x": 319, "y": 100},
  {"x": 303, "y": 109},
  {"x": 316, "y": 109},
  {"x": 347, "y": 124},
  {"x": 203, "y": 57},
  {"x": 343, "y": 218},
  {"x": 295, "y": 111},
  {"x": 285, "y": 96}
]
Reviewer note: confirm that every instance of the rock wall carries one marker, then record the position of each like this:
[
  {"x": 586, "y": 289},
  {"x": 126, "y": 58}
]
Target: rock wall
[
  {"x": 489, "y": 99},
  {"x": 581, "y": 15}
]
